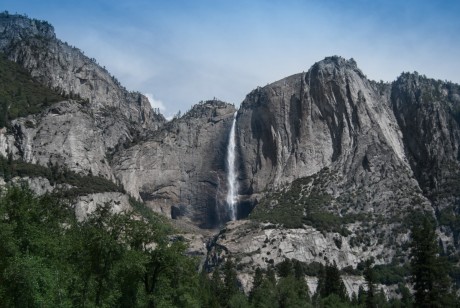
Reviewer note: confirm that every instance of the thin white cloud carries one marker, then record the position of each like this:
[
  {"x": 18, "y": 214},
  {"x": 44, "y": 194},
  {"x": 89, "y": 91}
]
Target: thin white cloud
[
  {"x": 193, "y": 53},
  {"x": 155, "y": 103}
]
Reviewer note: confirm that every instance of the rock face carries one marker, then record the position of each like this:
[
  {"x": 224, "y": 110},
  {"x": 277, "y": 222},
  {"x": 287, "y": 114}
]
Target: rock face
[
  {"x": 112, "y": 115},
  {"x": 180, "y": 170},
  {"x": 331, "y": 116},
  {"x": 330, "y": 148},
  {"x": 264, "y": 244},
  {"x": 81, "y": 133},
  {"x": 39, "y": 185},
  {"x": 64, "y": 134},
  {"x": 387, "y": 147},
  {"x": 86, "y": 205},
  {"x": 428, "y": 113}
]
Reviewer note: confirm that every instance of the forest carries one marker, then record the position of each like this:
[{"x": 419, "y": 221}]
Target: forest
[{"x": 136, "y": 259}]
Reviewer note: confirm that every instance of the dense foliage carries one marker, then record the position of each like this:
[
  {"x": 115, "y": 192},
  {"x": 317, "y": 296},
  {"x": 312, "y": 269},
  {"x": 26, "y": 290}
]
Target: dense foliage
[
  {"x": 48, "y": 259},
  {"x": 20, "y": 94},
  {"x": 80, "y": 184}
]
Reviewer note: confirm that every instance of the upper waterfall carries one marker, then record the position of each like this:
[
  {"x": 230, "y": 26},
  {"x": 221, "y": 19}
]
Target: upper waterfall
[{"x": 232, "y": 183}]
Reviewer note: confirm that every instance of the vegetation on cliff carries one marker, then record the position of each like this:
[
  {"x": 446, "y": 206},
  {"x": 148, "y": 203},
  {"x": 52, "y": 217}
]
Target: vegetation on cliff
[
  {"x": 20, "y": 94},
  {"x": 78, "y": 184}
]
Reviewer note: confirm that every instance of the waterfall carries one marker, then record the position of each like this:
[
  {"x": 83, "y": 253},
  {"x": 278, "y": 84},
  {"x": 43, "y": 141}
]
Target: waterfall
[{"x": 232, "y": 174}]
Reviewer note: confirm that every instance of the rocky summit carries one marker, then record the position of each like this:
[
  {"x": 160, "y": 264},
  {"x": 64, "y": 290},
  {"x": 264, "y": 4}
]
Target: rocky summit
[{"x": 331, "y": 167}]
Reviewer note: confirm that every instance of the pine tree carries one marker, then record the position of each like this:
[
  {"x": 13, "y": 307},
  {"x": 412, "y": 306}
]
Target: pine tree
[
  {"x": 369, "y": 276},
  {"x": 284, "y": 268},
  {"x": 361, "y": 295},
  {"x": 298, "y": 270},
  {"x": 257, "y": 282},
  {"x": 333, "y": 283},
  {"x": 217, "y": 287},
  {"x": 429, "y": 271},
  {"x": 271, "y": 275},
  {"x": 406, "y": 296},
  {"x": 291, "y": 293},
  {"x": 265, "y": 295},
  {"x": 230, "y": 286}
]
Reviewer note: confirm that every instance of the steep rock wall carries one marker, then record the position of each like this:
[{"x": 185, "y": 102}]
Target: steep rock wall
[
  {"x": 180, "y": 170},
  {"x": 333, "y": 117},
  {"x": 428, "y": 113},
  {"x": 114, "y": 114},
  {"x": 333, "y": 147}
]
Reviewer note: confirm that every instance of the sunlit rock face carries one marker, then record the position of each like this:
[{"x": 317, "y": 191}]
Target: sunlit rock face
[
  {"x": 331, "y": 116},
  {"x": 100, "y": 116}
]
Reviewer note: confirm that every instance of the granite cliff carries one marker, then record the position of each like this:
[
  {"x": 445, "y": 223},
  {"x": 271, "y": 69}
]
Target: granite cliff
[
  {"x": 106, "y": 117},
  {"x": 180, "y": 169},
  {"x": 339, "y": 167}
]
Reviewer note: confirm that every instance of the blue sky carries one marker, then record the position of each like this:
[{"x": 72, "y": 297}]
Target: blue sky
[{"x": 181, "y": 52}]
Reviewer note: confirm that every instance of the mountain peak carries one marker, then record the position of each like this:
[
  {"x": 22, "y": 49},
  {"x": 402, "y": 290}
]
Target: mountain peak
[
  {"x": 210, "y": 108},
  {"x": 339, "y": 61},
  {"x": 20, "y": 26},
  {"x": 333, "y": 64}
]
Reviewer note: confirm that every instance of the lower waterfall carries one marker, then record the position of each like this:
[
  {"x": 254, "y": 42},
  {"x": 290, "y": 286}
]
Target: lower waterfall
[{"x": 232, "y": 184}]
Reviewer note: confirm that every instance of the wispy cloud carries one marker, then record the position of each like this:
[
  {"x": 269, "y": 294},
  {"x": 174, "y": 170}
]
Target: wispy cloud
[
  {"x": 155, "y": 103},
  {"x": 187, "y": 51}
]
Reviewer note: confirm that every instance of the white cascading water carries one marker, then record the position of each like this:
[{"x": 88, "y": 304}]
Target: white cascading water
[{"x": 232, "y": 174}]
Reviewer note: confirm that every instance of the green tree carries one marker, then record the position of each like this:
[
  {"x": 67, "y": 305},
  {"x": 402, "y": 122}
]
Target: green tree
[
  {"x": 265, "y": 295},
  {"x": 270, "y": 275},
  {"x": 330, "y": 282},
  {"x": 369, "y": 276},
  {"x": 256, "y": 283},
  {"x": 230, "y": 282},
  {"x": 284, "y": 268},
  {"x": 292, "y": 292},
  {"x": 238, "y": 300},
  {"x": 406, "y": 296},
  {"x": 429, "y": 271},
  {"x": 208, "y": 295},
  {"x": 334, "y": 301},
  {"x": 171, "y": 279},
  {"x": 299, "y": 272},
  {"x": 217, "y": 286},
  {"x": 47, "y": 259},
  {"x": 380, "y": 300}
]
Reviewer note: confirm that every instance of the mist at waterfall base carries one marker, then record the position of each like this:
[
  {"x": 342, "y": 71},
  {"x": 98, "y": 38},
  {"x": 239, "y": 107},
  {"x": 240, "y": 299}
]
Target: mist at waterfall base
[{"x": 232, "y": 176}]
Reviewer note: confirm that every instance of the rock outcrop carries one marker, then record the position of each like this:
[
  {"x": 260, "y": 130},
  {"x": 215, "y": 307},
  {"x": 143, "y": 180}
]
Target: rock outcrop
[
  {"x": 261, "y": 245},
  {"x": 180, "y": 170},
  {"x": 83, "y": 205},
  {"x": 331, "y": 116},
  {"x": 427, "y": 111},
  {"x": 63, "y": 134},
  {"x": 111, "y": 115}
]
